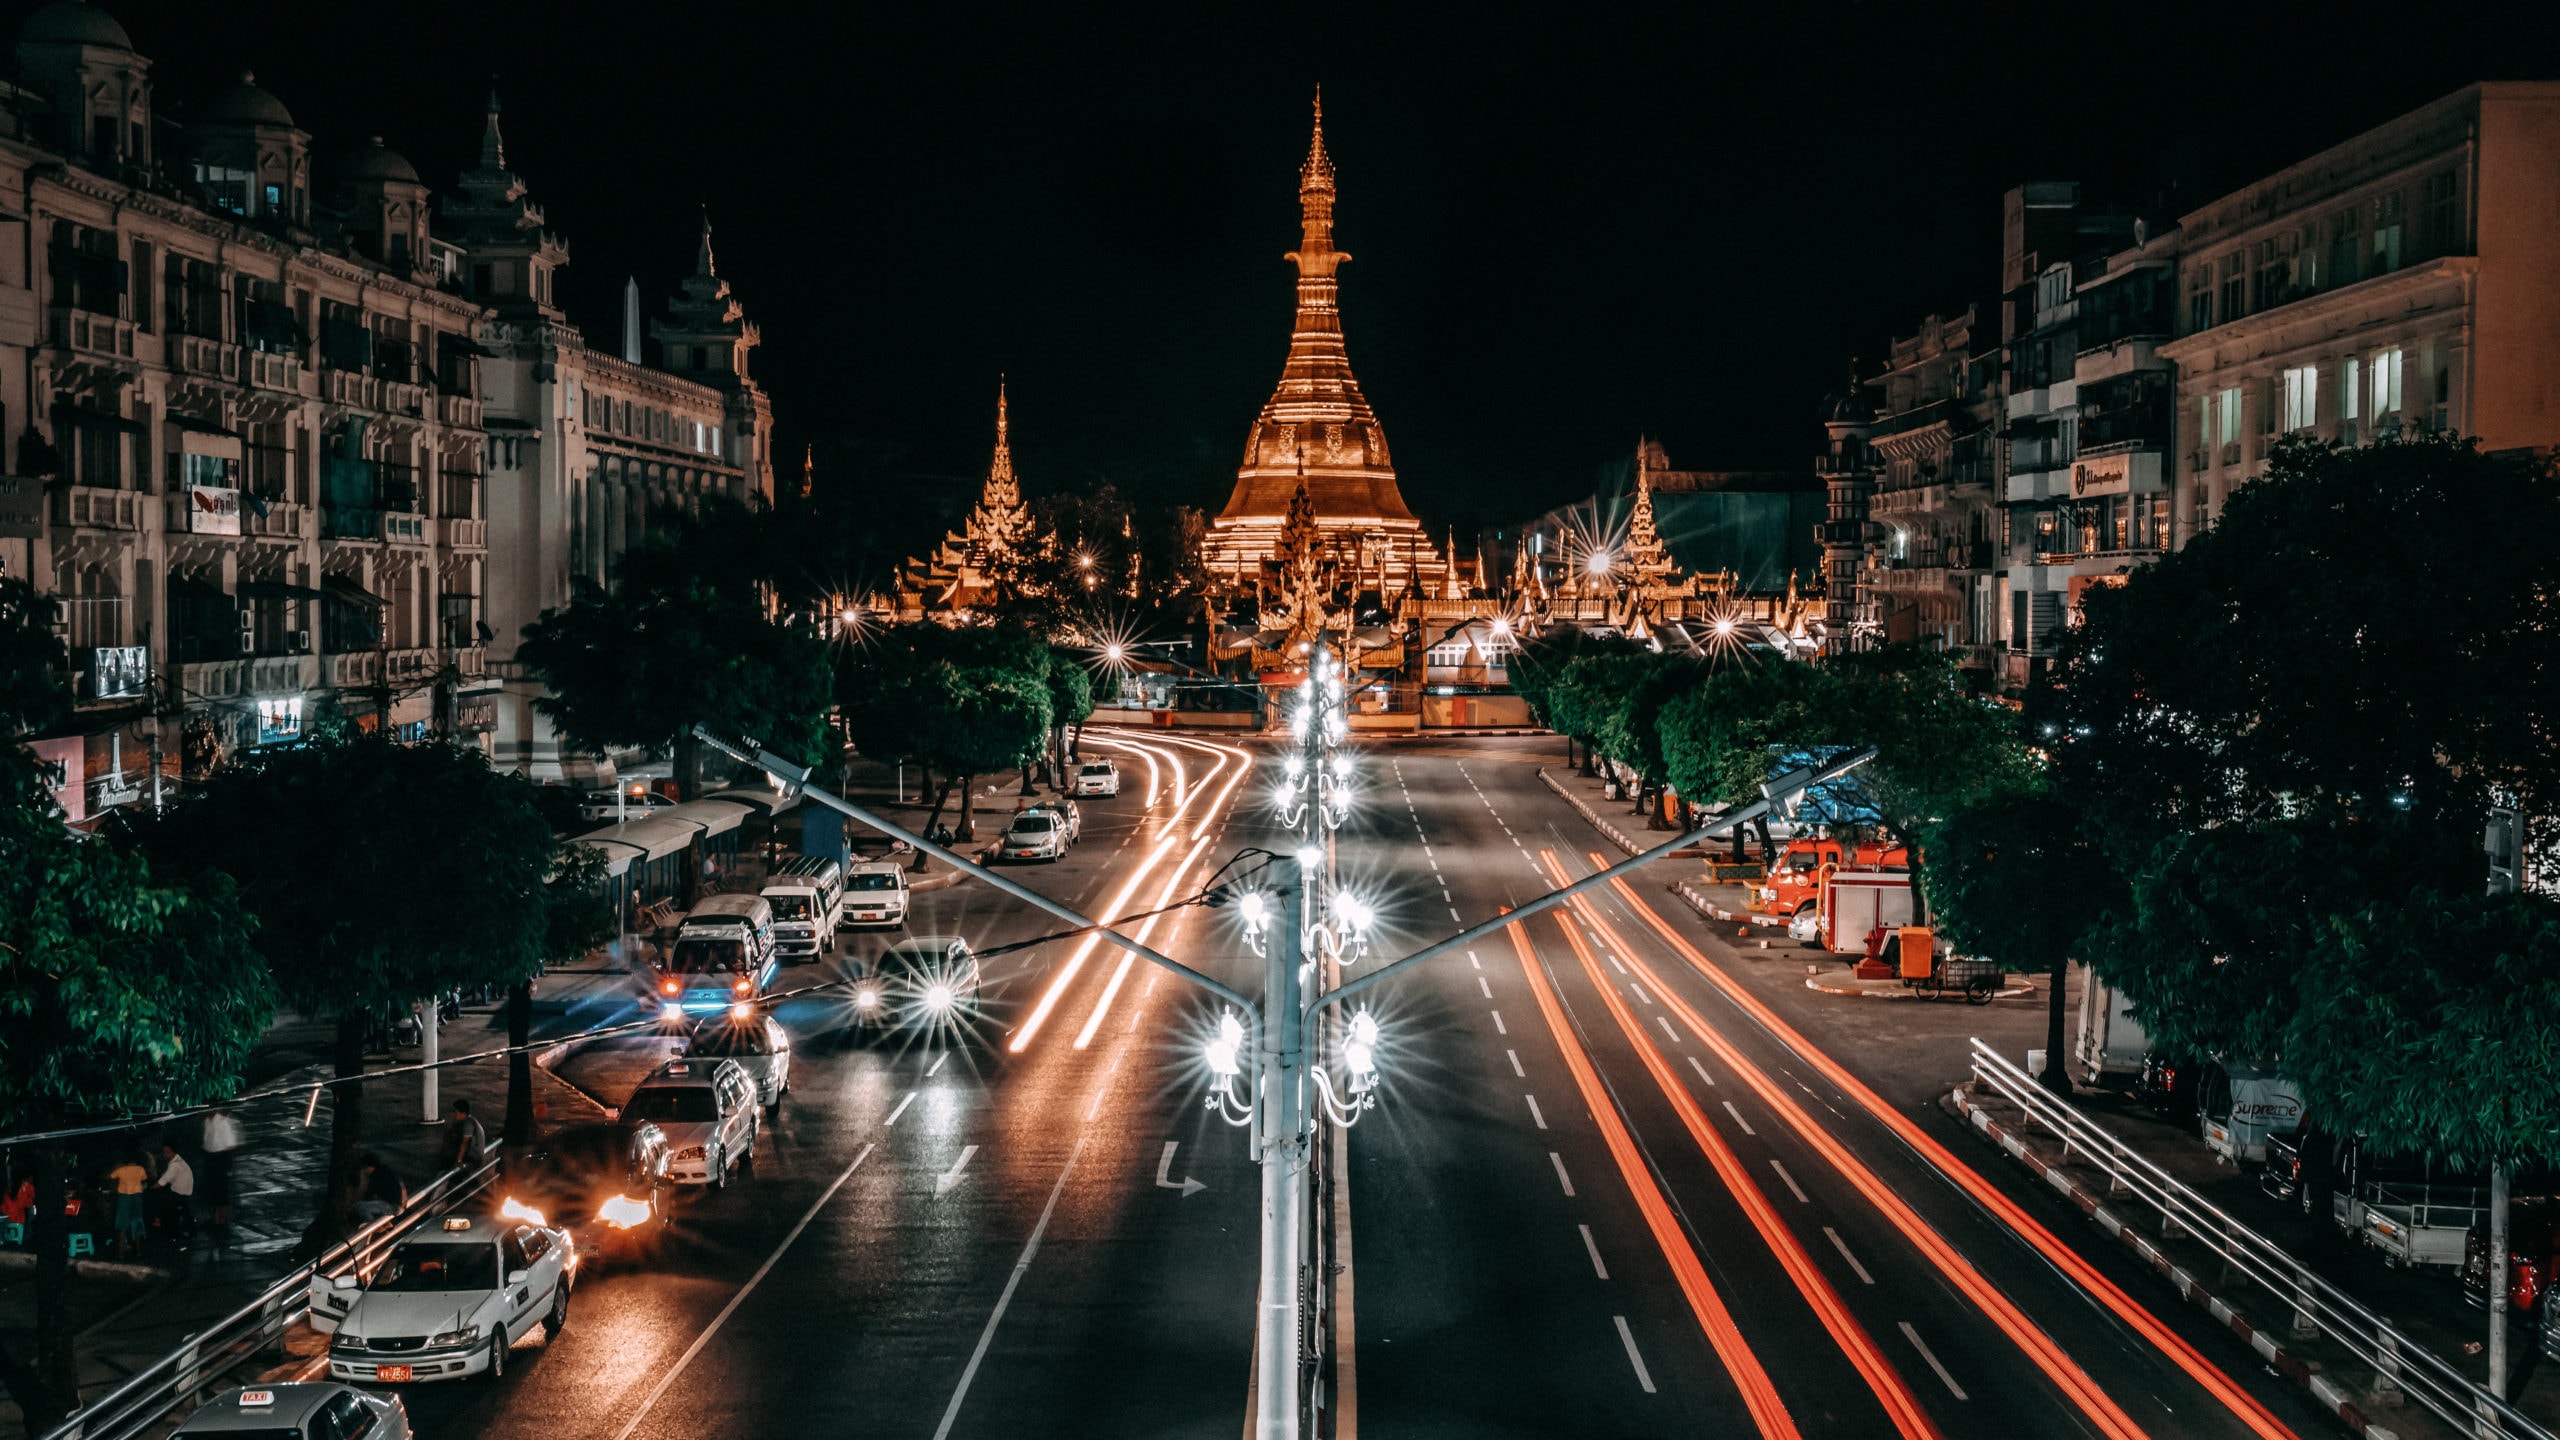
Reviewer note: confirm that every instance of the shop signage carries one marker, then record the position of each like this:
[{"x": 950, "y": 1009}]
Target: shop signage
[
  {"x": 475, "y": 713},
  {"x": 119, "y": 672},
  {"x": 2105, "y": 475},
  {"x": 212, "y": 510},
  {"x": 279, "y": 721}
]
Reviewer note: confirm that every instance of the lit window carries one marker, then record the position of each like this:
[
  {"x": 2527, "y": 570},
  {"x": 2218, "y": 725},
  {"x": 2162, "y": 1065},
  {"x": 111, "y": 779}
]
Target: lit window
[
  {"x": 2386, "y": 383},
  {"x": 2301, "y": 396},
  {"x": 2350, "y": 385},
  {"x": 2231, "y": 416}
]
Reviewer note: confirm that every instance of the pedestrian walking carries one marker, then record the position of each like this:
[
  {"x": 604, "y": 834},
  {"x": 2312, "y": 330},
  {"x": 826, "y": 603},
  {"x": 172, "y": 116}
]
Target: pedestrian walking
[
  {"x": 465, "y": 1139},
  {"x": 221, "y": 1137},
  {"x": 130, "y": 1180},
  {"x": 175, "y": 1192}
]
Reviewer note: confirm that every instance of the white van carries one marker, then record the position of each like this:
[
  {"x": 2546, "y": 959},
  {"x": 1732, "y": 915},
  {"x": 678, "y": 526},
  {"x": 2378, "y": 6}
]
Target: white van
[
  {"x": 807, "y": 896},
  {"x": 875, "y": 893},
  {"x": 723, "y": 956}
]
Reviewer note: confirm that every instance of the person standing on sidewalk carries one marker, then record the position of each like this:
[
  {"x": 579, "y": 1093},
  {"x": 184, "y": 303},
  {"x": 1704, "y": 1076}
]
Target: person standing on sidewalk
[
  {"x": 176, "y": 1191},
  {"x": 465, "y": 1140},
  {"x": 130, "y": 1180},
  {"x": 221, "y": 1137}
]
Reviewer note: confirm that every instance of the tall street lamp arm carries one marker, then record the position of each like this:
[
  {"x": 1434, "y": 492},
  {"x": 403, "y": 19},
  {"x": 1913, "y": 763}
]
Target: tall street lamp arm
[
  {"x": 797, "y": 778},
  {"x": 1780, "y": 792}
]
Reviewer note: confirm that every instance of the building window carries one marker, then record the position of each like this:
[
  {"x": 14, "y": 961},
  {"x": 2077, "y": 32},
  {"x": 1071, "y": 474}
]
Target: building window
[
  {"x": 2200, "y": 298},
  {"x": 2346, "y": 246},
  {"x": 2386, "y": 386},
  {"x": 105, "y": 138},
  {"x": 2386, "y": 234},
  {"x": 194, "y": 296},
  {"x": 345, "y": 343},
  {"x": 2275, "y": 269},
  {"x": 2235, "y": 286},
  {"x": 2441, "y": 231},
  {"x": 2301, "y": 397},
  {"x": 2229, "y": 405},
  {"x": 86, "y": 273}
]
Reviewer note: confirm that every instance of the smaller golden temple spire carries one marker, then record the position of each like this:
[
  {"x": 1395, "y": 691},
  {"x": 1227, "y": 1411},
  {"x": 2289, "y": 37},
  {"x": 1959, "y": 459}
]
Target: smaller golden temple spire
[{"x": 1317, "y": 173}]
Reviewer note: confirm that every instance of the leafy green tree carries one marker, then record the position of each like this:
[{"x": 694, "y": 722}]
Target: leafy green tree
[
  {"x": 32, "y": 697},
  {"x": 1070, "y": 702},
  {"x": 1629, "y": 732},
  {"x": 1939, "y": 750},
  {"x": 1001, "y": 721},
  {"x": 379, "y": 874},
  {"x": 965, "y": 700},
  {"x": 2017, "y": 879},
  {"x": 1538, "y": 673},
  {"x": 119, "y": 993},
  {"x": 1717, "y": 737}
]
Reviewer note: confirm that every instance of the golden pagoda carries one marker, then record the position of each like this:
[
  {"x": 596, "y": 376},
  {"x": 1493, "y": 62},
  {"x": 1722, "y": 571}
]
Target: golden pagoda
[
  {"x": 1317, "y": 429},
  {"x": 981, "y": 562}
]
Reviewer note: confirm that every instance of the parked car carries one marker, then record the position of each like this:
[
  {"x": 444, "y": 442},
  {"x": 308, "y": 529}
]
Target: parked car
[
  {"x": 1097, "y": 777},
  {"x": 2533, "y": 1258},
  {"x": 707, "y": 1108},
  {"x": 610, "y": 805},
  {"x": 758, "y": 1044},
  {"x": 2166, "y": 1085},
  {"x": 447, "y": 1301},
  {"x": 875, "y": 893},
  {"x": 2240, "y": 1103},
  {"x": 923, "y": 983},
  {"x": 300, "y": 1410},
  {"x": 1034, "y": 835},
  {"x": 606, "y": 1185},
  {"x": 1065, "y": 809}
]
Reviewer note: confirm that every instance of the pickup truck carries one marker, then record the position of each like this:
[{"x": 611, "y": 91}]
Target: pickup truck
[{"x": 2415, "y": 1211}]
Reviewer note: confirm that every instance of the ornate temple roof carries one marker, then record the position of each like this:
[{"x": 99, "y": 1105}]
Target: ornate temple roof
[{"x": 1318, "y": 413}]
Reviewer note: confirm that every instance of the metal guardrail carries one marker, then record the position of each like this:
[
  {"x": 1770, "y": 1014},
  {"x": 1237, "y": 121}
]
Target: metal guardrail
[
  {"x": 189, "y": 1374},
  {"x": 2398, "y": 1362}
]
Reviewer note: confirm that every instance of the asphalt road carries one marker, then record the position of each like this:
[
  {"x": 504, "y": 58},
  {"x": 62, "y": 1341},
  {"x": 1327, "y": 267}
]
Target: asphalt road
[{"x": 1623, "y": 1180}]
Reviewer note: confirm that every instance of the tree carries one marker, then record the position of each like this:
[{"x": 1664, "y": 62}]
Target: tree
[
  {"x": 1070, "y": 701},
  {"x": 32, "y": 697},
  {"x": 1000, "y": 722},
  {"x": 684, "y": 639},
  {"x": 2016, "y": 879},
  {"x": 1628, "y": 732},
  {"x": 379, "y": 874},
  {"x": 1938, "y": 749},
  {"x": 119, "y": 992},
  {"x": 966, "y": 700},
  {"x": 1717, "y": 738},
  {"x": 1537, "y": 671},
  {"x": 577, "y": 917}
]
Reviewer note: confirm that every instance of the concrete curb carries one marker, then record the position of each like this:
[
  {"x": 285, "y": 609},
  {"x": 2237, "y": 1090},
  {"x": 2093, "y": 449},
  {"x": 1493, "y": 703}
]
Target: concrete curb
[
  {"x": 1438, "y": 734},
  {"x": 91, "y": 1269},
  {"x": 2012, "y": 993},
  {"x": 1616, "y": 836},
  {"x": 1713, "y": 911},
  {"x": 2325, "y": 1391}
]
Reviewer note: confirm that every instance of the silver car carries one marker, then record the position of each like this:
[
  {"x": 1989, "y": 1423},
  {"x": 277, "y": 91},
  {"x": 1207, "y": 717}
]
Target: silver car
[
  {"x": 302, "y": 1410},
  {"x": 757, "y": 1042}
]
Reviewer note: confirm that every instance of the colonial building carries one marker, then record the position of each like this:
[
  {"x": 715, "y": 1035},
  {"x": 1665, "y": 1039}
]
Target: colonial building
[
  {"x": 2403, "y": 280},
  {"x": 245, "y": 409},
  {"x": 588, "y": 448}
]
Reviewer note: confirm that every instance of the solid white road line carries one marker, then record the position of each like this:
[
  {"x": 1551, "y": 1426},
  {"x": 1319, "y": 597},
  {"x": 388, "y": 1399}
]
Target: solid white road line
[
  {"x": 1562, "y": 1178},
  {"x": 1592, "y": 1247},
  {"x": 743, "y": 1291},
  {"x": 1021, "y": 1267},
  {"x": 1738, "y": 1120},
  {"x": 901, "y": 1110},
  {"x": 1843, "y": 1247},
  {"x": 1926, "y": 1354},
  {"x": 1629, "y": 1336},
  {"x": 1791, "y": 1182},
  {"x": 1534, "y": 1112},
  {"x": 1701, "y": 1069},
  {"x": 1515, "y": 1064}
]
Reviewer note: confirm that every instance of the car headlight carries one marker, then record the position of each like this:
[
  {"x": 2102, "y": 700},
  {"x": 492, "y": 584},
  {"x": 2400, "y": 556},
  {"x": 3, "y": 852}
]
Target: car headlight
[
  {"x": 937, "y": 997},
  {"x": 690, "y": 1152},
  {"x": 868, "y": 997},
  {"x": 346, "y": 1344},
  {"x": 463, "y": 1336}
]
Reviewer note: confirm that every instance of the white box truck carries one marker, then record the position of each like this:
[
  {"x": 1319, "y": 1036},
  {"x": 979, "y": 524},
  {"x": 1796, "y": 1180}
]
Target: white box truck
[{"x": 2110, "y": 1045}]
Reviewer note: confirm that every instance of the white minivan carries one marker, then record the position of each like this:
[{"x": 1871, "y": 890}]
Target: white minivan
[{"x": 807, "y": 896}]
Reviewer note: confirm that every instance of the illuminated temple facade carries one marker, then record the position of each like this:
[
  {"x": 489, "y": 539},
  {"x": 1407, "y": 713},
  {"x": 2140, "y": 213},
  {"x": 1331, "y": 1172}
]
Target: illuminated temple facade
[
  {"x": 1317, "y": 434},
  {"x": 981, "y": 562}
]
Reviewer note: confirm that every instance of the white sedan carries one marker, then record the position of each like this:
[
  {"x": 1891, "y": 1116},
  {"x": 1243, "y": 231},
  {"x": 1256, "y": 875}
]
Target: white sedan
[
  {"x": 448, "y": 1300},
  {"x": 757, "y": 1042}
]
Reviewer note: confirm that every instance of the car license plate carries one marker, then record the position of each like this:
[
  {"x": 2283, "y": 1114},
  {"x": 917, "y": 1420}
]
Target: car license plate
[{"x": 392, "y": 1373}]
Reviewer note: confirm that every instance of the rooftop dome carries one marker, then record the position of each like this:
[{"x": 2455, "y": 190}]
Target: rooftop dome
[
  {"x": 73, "y": 22},
  {"x": 377, "y": 161},
  {"x": 241, "y": 102}
]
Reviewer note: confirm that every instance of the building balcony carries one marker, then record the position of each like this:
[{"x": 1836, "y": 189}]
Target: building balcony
[
  {"x": 356, "y": 669},
  {"x": 462, "y": 534},
  {"x": 197, "y": 355},
  {"x": 462, "y": 411},
  {"x": 361, "y": 391},
  {"x": 274, "y": 372},
  {"x": 102, "y": 336},
  {"x": 250, "y": 677},
  {"x": 92, "y": 507},
  {"x": 281, "y": 520},
  {"x": 353, "y": 522}
]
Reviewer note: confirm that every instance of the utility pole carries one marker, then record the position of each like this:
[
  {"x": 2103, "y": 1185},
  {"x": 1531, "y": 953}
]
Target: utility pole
[
  {"x": 1281, "y": 1140},
  {"x": 2504, "y": 842}
]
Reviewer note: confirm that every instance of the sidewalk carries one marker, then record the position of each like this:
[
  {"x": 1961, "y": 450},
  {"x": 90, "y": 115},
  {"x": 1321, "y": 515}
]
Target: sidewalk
[
  {"x": 2425, "y": 1304},
  {"x": 130, "y": 1320}
]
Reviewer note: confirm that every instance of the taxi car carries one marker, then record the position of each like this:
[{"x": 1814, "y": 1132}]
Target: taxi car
[
  {"x": 1034, "y": 835},
  {"x": 875, "y": 893},
  {"x": 759, "y": 1045},
  {"x": 447, "y": 1301},
  {"x": 301, "y": 1410},
  {"x": 707, "y": 1109},
  {"x": 1097, "y": 777},
  {"x": 607, "y": 1185}
]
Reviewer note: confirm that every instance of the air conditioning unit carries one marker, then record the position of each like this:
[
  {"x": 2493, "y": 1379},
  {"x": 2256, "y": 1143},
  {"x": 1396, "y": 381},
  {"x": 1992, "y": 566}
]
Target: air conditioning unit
[
  {"x": 297, "y": 642},
  {"x": 248, "y": 632}
]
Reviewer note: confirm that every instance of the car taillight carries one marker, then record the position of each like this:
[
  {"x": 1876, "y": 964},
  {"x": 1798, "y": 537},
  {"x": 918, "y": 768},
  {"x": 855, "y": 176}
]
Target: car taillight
[{"x": 671, "y": 987}]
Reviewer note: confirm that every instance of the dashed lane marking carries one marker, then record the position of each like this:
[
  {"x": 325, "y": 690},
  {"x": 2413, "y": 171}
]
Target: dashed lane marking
[
  {"x": 1926, "y": 1354},
  {"x": 1515, "y": 1064},
  {"x": 1793, "y": 1186},
  {"x": 1843, "y": 1247},
  {"x": 1637, "y": 1360},
  {"x": 1591, "y": 1247},
  {"x": 1534, "y": 1112},
  {"x": 1562, "y": 1178},
  {"x": 1738, "y": 1120}
]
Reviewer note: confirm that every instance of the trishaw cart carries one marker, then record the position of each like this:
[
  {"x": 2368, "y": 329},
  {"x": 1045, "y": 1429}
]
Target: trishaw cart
[{"x": 1934, "y": 974}]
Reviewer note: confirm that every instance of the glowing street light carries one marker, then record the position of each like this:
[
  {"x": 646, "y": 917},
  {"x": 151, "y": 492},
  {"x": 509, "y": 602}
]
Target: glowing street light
[{"x": 1599, "y": 563}]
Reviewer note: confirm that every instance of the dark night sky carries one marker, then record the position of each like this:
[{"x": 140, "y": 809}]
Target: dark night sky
[{"x": 1571, "y": 224}]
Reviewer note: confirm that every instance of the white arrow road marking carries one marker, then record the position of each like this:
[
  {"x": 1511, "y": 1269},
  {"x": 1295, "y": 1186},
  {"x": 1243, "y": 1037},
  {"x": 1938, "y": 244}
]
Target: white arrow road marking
[
  {"x": 1164, "y": 1173},
  {"x": 943, "y": 1182}
]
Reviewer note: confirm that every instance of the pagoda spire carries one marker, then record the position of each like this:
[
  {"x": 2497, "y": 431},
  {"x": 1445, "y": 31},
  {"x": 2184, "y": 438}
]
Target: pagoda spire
[
  {"x": 493, "y": 146},
  {"x": 1000, "y": 524}
]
